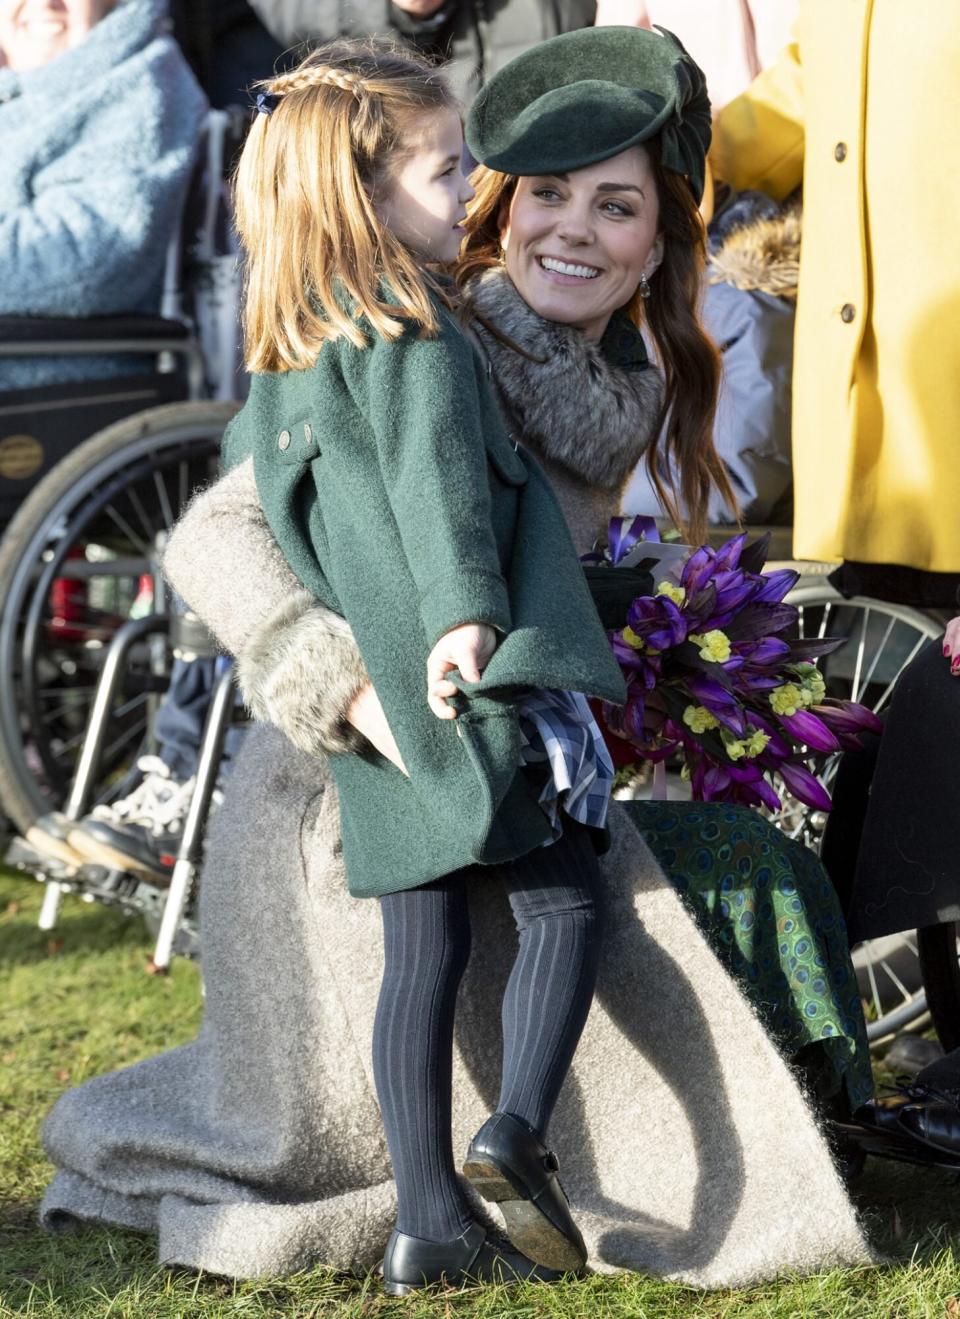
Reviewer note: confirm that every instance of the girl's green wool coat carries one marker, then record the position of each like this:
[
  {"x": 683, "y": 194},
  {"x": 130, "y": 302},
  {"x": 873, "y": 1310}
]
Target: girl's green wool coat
[{"x": 391, "y": 483}]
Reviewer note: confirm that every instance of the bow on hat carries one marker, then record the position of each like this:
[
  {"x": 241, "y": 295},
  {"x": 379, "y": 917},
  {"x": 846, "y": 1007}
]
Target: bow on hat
[
  {"x": 685, "y": 137},
  {"x": 585, "y": 96}
]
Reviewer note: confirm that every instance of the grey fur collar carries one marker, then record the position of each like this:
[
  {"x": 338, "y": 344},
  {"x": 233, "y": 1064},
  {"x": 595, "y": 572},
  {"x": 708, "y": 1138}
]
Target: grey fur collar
[{"x": 591, "y": 409}]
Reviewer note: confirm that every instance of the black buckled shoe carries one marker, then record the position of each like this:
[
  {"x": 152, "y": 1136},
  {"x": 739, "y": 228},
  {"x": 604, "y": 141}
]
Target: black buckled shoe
[
  {"x": 410, "y": 1264},
  {"x": 936, "y": 1122},
  {"x": 917, "y": 1124},
  {"x": 510, "y": 1166}
]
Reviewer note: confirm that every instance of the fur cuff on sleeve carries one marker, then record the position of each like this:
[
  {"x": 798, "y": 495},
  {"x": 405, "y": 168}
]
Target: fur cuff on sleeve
[{"x": 300, "y": 671}]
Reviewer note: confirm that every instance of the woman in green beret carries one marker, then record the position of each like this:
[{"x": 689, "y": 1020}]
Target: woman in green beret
[
  {"x": 560, "y": 270},
  {"x": 585, "y": 234}
]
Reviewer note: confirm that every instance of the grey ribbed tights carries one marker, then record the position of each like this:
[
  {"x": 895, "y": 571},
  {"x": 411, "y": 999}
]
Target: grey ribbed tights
[{"x": 554, "y": 896}]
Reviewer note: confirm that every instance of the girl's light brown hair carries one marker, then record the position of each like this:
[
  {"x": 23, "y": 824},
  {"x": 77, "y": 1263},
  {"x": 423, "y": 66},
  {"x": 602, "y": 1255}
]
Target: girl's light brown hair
[
  {"x": 306, "y": 187},
  {"x": 688, "y": 357}
]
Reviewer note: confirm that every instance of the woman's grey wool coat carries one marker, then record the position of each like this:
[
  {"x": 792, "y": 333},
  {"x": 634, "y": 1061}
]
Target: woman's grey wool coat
[{"x": 257, "y": 1149}]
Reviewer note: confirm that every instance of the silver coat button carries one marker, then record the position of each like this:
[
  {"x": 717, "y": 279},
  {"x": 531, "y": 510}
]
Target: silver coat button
[
  {"x": 283, "y": 442},
  {"x": 840, "y": 152},
  {"x": 307, "y": 431},
  {"x": 847, "y": 312}
]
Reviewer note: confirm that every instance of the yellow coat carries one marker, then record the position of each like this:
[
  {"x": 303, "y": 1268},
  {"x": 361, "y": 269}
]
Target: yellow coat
[{"x": 864, "y": 106}]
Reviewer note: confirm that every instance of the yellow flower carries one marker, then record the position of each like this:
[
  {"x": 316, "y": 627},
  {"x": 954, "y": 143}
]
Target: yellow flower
[
  {"x": 699, "y": 719},
  {"x": 631, "y": 638},
  {"x": 786, "y": 699},
  {"x": 675, "y": 593},
  {"x": 714, "y": 646},
  {"x": 814, "y": 687},
  {"x": 757, "y": 742},
  {"x": 733, "y": 746}
]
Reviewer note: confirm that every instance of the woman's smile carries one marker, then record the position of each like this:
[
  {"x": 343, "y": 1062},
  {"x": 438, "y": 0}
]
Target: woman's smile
[{"x": 567, "y": 272}]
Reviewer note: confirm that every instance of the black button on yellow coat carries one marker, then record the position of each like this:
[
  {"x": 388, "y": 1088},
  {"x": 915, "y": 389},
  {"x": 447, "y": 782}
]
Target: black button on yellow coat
[{"x": 401, "y": 503}]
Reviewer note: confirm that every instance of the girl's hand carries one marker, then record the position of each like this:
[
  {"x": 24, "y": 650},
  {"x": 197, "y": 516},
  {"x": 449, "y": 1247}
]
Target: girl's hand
[
  {"x": 951, "y": 645},
  {"x": 367, "y": 717},
  {"x": 467, "y": 648}
]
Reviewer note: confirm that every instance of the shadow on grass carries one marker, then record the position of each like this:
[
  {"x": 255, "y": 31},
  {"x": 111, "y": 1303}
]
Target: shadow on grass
[
  {"x": 911, "y": 1212},
  {"x": 81, "y": 928}
]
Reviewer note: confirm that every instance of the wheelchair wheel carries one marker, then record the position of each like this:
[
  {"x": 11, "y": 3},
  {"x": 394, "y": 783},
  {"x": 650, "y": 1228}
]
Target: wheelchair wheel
[
  {"x": 882, "y": 639},
  {"x": 79, "y": 556}
]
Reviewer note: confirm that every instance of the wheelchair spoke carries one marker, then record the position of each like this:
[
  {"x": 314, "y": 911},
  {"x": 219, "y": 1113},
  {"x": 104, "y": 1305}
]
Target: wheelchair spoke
[
  {"x": 70, "y": 707},
  {"x": 54, "y": 693},
  {"x": 822, "y": 630},
  {"x": 896, "y": 981},
  {"x": 184, "y": 474},
  {"x": 126, "y": 737},
  {"x": 71, "y": 743},
  {"x": 861, "y": 646},
  {"x": 127, "y": 530},
  {"x": 118, "y": 713},
  {"x": 874, "y": 989},
  {"x": 141, "y": 513},
  {"x": 161, "y": 486},
  {"x": 876, "y": 655},
  {"x": 921, "y": 642}
]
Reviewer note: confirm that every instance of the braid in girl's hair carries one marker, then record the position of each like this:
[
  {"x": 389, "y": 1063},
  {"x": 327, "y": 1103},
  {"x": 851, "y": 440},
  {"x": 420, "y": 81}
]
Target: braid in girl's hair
[
  {"x": 315, "y": 163},
  {"x": 317, "y": 75}
]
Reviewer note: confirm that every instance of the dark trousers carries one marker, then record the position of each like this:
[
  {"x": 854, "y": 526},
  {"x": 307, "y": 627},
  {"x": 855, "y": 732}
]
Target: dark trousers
[{"x": 554, "y": 896}]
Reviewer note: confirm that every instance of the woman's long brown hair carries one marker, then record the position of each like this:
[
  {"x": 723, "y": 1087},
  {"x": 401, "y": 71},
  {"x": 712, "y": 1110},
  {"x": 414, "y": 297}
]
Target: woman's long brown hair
[{"x": 686, "y": 354}]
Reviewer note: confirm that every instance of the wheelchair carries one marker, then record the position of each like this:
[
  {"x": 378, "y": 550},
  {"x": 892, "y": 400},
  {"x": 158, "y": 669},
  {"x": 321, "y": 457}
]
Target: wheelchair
[
  {"x": 97, "y": 473},
  {"x": 908, "y": 978}
]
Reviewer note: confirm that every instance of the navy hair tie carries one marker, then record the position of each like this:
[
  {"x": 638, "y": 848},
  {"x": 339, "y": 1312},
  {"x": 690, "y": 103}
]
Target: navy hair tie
[{"x": 267, "y": 102}]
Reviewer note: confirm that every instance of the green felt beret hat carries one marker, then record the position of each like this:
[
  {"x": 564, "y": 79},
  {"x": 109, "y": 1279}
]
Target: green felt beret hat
[{"x": 587, "y": 95}]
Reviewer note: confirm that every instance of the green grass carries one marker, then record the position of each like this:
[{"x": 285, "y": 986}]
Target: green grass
[{"x": 79, "y": 1003}]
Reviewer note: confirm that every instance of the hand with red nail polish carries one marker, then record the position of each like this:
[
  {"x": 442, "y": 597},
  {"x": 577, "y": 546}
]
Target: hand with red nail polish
[{"x": 951, "y": 645}]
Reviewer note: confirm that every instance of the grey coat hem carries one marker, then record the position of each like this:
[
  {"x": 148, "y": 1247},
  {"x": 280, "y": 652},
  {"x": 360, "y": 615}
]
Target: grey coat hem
[{"x": 258, "y": 1149}]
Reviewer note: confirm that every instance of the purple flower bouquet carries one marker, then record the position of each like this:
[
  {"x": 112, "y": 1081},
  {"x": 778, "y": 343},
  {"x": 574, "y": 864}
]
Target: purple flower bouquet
[{"x": 712, "y": 680}]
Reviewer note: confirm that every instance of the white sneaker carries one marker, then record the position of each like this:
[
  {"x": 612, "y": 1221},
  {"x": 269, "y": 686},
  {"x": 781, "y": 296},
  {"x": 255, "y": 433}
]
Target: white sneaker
[
  {"x": 159, "y": 802},
  {"x": 142, "y": 831}
]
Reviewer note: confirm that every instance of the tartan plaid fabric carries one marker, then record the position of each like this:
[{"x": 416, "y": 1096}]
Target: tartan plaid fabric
[{"x": 558, "y": 728}]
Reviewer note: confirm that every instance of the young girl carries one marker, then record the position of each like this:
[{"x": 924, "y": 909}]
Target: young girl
[{"x": 396, "y": 494}]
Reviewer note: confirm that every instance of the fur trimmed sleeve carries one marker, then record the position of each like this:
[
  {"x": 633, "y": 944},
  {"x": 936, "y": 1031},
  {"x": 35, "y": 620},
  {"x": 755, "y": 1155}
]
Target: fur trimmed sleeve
[{"x": 298, "y": 666}]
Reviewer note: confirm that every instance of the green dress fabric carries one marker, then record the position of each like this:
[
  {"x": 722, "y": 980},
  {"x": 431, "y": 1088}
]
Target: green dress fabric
[{"x": 770, "y": 913}]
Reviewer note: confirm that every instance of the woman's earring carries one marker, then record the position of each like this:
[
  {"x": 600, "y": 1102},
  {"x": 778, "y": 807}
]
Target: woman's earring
[{"x": 645, "y": 290}]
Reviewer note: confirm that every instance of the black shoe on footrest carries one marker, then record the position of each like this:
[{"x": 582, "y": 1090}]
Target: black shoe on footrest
[
  {"x": 508, "y": 1164},
  {"x": 410, "y": 1264},
  {"x": 131, "y": 847}
]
